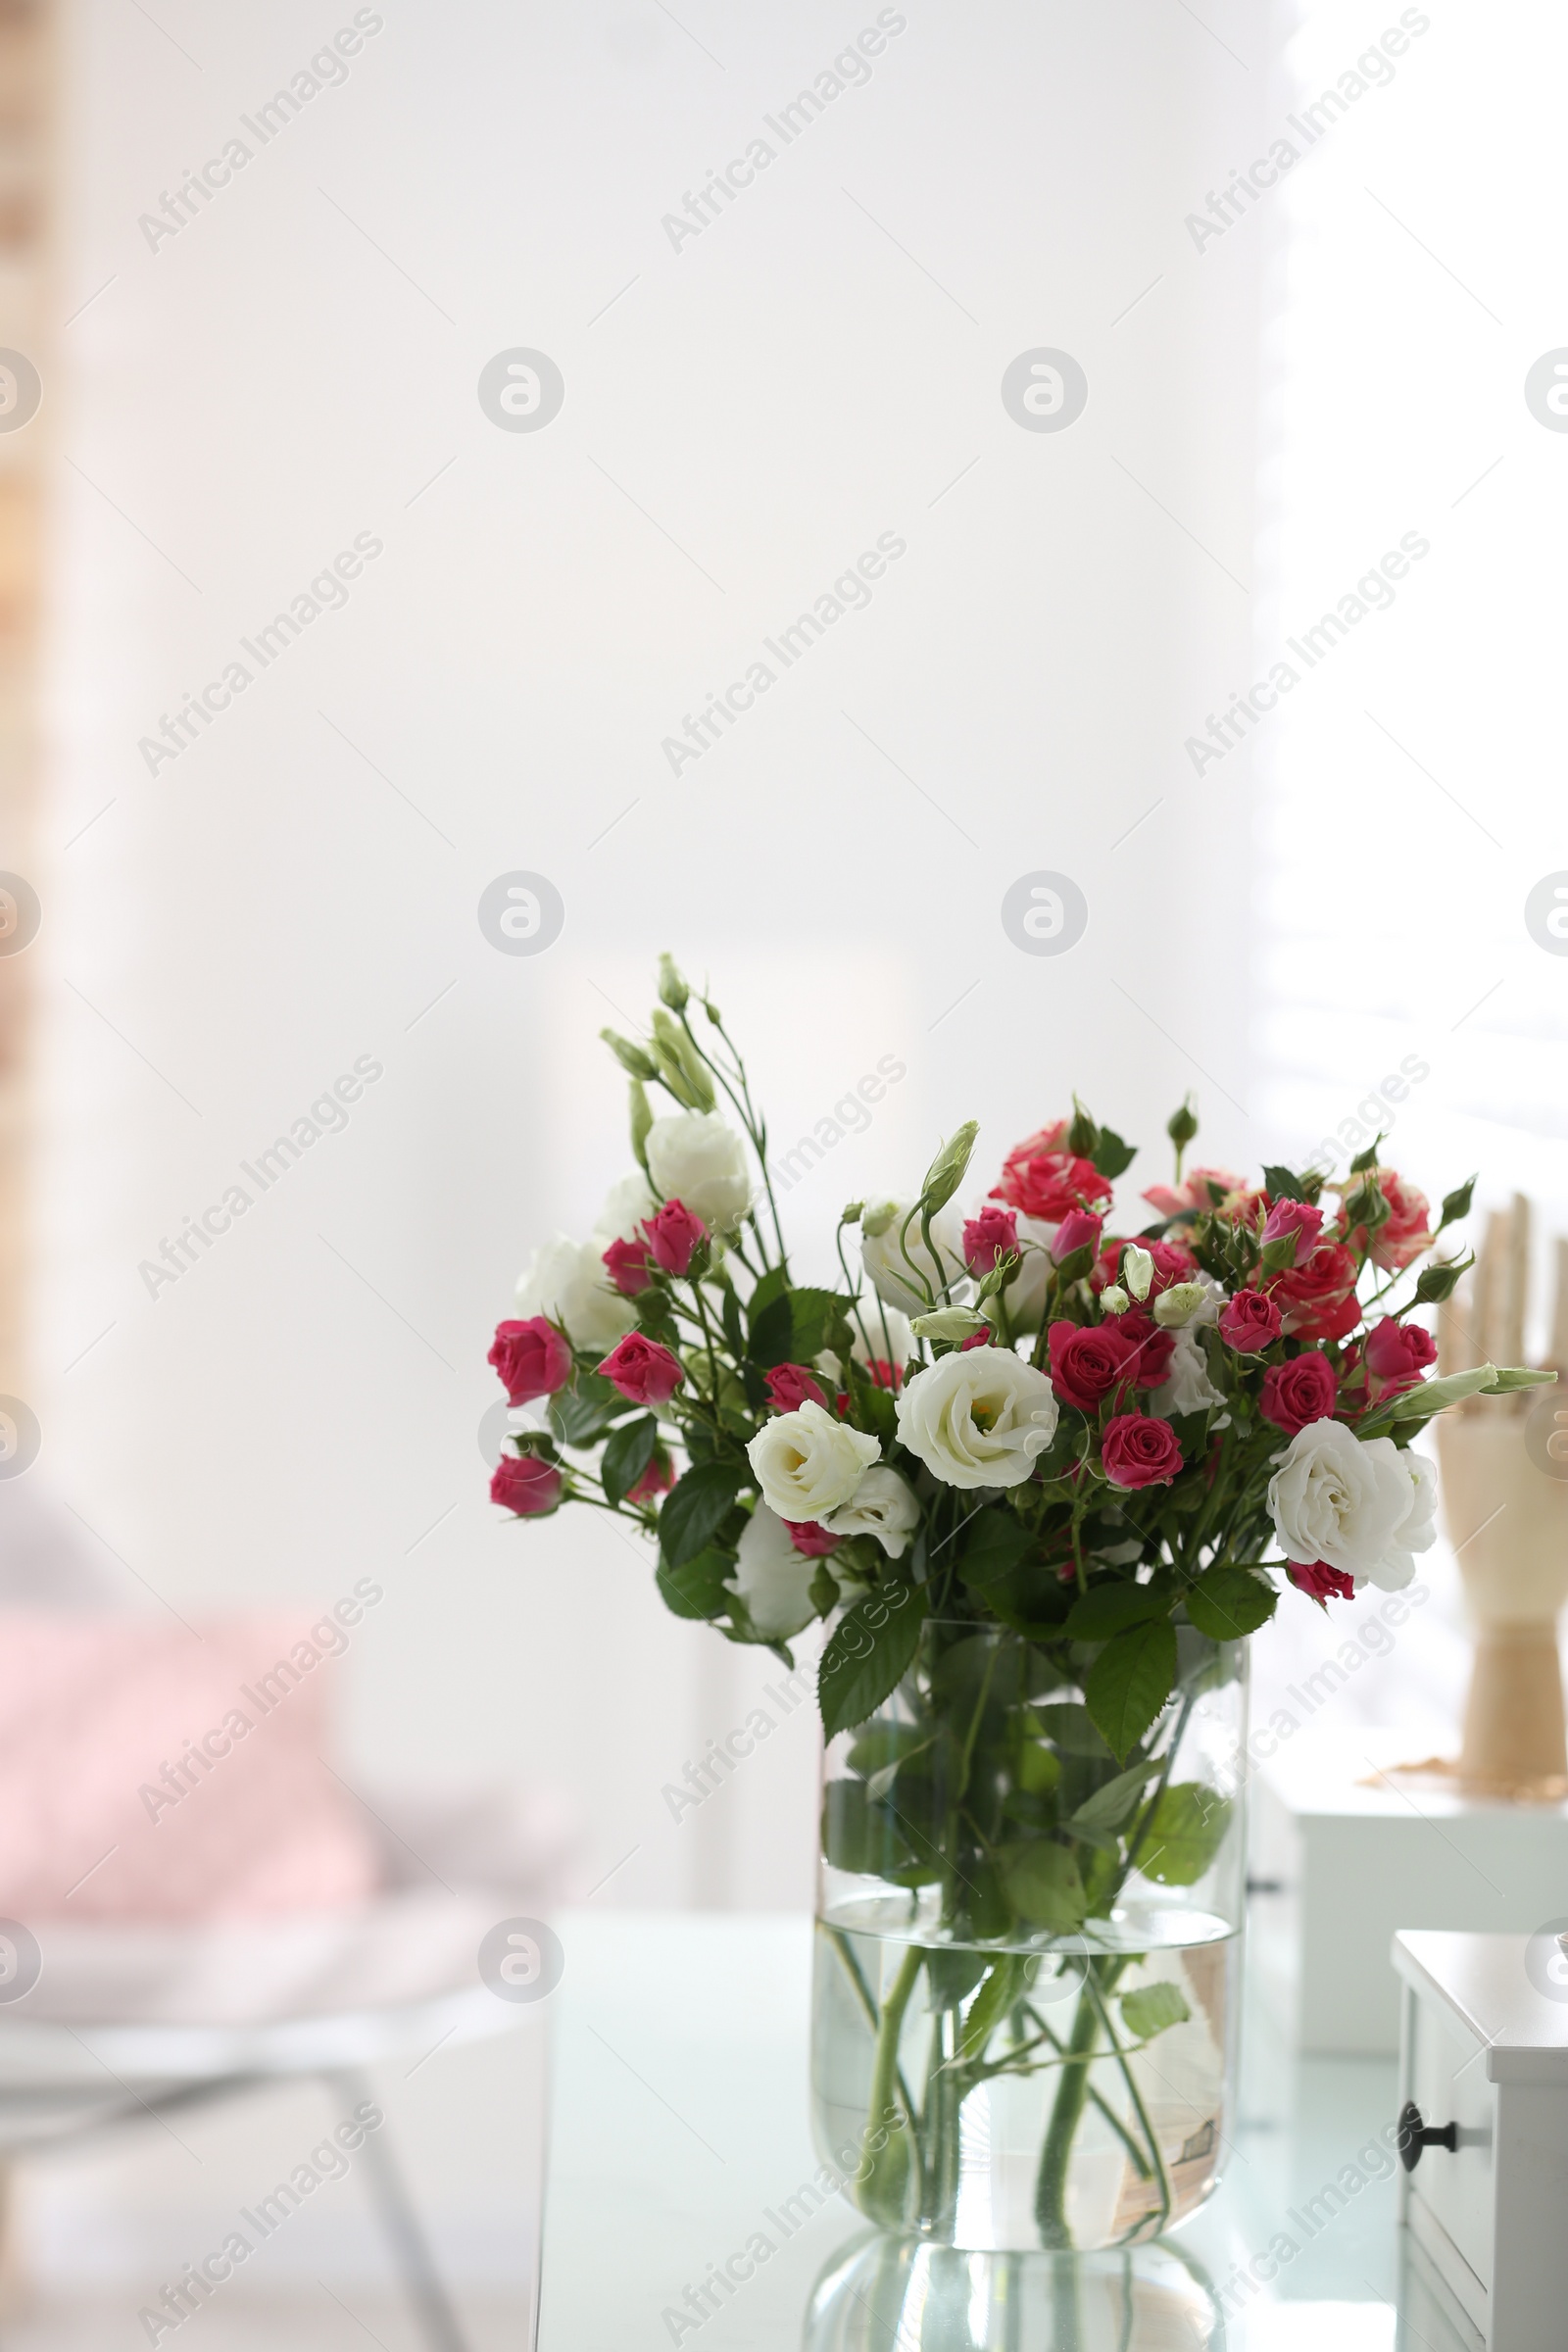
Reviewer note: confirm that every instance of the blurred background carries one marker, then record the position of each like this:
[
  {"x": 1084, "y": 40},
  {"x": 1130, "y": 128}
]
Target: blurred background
[{"x": 261, "y": 263}]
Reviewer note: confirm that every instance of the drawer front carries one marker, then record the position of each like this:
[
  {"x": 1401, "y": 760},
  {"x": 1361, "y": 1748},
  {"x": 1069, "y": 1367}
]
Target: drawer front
[{"x": 1447, "y": 2079}]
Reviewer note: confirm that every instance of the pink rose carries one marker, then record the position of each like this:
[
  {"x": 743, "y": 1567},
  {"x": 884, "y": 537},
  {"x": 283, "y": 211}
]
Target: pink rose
[
  {"x": 976, "y": 1339},
  {"x": 810, "y": 1536},
  {"x": 1149, "y": 1348},
  {"x": 1317, "y": 1300},
  {"x": 533, "y": 1358},
  {"x": 1303, "y": 1390},
  {"x": 1398, "y": 1353},
  {"x": 1297, "y": 1218},
  {"x": 988, "y": 1236},
  {"x": 657, "y": 1479},
  {"x": 673, "y": 1235},
  {"x": 1138, "y": 1451},
  {"x": 1320, "y": 1581},
  {"x": 1040, "y": 1178},
  {"x": 790, "y": 1384},
  {"x": 628, "y": 1264},
  {"x": 1195, "y": 1192},
  {"x": 642, "y": 1369},
  {"x": 526, "y": 1484},
  {"x": 1249, "y": 1322},
  {"x": 1408, "y": 1229},
  {"x": 1087, "y": 1361},
  {"x": 1079, "y": 1230}
]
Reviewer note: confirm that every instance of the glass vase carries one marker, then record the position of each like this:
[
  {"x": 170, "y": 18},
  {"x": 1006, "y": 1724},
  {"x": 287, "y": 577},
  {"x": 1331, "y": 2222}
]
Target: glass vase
[{"x": 1027, "y": 1948}]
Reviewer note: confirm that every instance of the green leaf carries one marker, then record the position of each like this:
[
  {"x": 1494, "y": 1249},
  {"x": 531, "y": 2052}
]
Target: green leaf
[
  {"x": 1043, "y": 1883},
  {"x": 656, "y": 1317},
  {"x": 997, "y": 1541},
  {"x": 1457, "y": 1204},
  {"x": 1130, "y": 1681},
  {"x": 868, "y": 1654},
  {"x": 696, "y": 1507},
  {"x": 814, "y": 1318},
  {"x": 1004, "y": 1987},
  {"x": 1111, "y": 1607},
  {"x": 1070, "y": 1728},
  {"x": 581, "y": 1414},
  {"x": 1073, "y": 1267},
  {"x": 766, "y": 1290},
  {"x": 772, "y": 1331},
  {"x": 627, "y": 1455},
  {"x": 1184, "y": 1826},
  {"x": 697, "y": 1588},
  {"x": 1228, "y": 1602},
  {"x": 1155, "y": 2009},
  {"x": 1281, "y": 1184},
  {"x": 858, "y": 1835},
  {"x": 882, "y": 1743},
  {"x": 1037, "y": 1768},
  {"x": 952, "y": 1974},
  {"x": 1113, "y": 1802},
  {"x": 1110, "y": 1155}
]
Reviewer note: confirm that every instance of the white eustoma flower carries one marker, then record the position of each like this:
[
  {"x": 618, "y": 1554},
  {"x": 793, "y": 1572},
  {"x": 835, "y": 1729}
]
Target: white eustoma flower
[
  {"x": 772, "y": 1578},
  {"x": 1354, "y": 1503},
  {"x": 979, "y": 1417},
  {"x": 1419, "y": 1532},
  {"x": 566, "y": 1280},
  {"x": 1025, "y": 1294},
  {"x": 881, "y": 1334},
  {"x": 695, "y": 1157},
  {"x": 888, "y": 1254},
  {"x": 806, "y": 1462},
  {"x": 627, "y": 1206},
  {"x": 1186, "y": 1387},
  {"x": 883, "y": 1506}
]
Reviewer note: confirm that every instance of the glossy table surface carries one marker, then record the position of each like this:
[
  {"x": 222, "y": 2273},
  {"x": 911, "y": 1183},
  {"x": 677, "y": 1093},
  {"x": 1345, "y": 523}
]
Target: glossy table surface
[{"x": 678, "y": 2133}]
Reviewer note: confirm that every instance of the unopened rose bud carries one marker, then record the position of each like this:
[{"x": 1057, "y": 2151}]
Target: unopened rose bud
[
  {"x": 1115, "y": 1300},
  {"x": 1137, "y": 1270},
  {"x": 952, "y": 1323}
]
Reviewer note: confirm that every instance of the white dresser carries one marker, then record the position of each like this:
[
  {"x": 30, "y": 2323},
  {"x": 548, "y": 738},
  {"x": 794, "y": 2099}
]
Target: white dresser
[{"x": 1483, "y": 2103}]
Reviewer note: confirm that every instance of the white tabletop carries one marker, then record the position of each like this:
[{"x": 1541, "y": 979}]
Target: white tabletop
[{"x": 679, "y": 2120}]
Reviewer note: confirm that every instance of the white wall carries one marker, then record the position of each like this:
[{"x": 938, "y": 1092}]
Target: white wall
[{"x": 299, "y": 888}]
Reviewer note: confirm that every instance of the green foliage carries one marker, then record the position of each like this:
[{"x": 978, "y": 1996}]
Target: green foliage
[
  {"x": 995, "y": 1541},
  {"x": 1228, "y": 1602},
  {"x": 1112, "y": 1606},
  {"x": 1113, "y": 1803},
  {"x": 1281, "y": 1184},
  {"x": 627, "y": 1455},
  {"x": 580, "y": 1414},
  {"x": 697, "y": 1587},
  {"x": 1129, "y": 1682},
  {"x": 867, "y": 1655},
  {"x": 1110, "y": 1155},
  {"x": 1044, "y": 1885},
  {"x": 1153, "y": 2009},
  {"x": 1457, "y": 1204},
  {"x": 1434, "y": 1284},
  {"x": 1181, "y": 1832},
  {"x": 696, "y": 1507}
]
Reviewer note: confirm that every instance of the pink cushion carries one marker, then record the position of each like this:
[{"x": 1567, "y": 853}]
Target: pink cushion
[{"x": 148, "y": 1773}]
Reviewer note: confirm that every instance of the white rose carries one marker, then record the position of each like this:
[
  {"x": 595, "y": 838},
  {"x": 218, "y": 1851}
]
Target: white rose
[
  {"x": 1186, "y": 1387},
  {"x": 806, "y": 1463},
  {"x": 883, "y": 1506},
  {"x": 1025, "y": 1294},
  {"x": 695, "y": 1158},
  {"x": 1418, "y": 1533},
  {"x": 772, "y": 1578},
  {"x": 566, "y": 1280},
  {"x": 627, "y": 1206},
  {"x": 979, "y": 1417},
  {"x": 1348, "y": 1502},
  {"x": 887, "y": 1259}
]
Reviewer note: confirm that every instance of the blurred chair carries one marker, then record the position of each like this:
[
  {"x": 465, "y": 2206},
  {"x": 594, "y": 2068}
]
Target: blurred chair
[{"x": 131, "y": 2019}]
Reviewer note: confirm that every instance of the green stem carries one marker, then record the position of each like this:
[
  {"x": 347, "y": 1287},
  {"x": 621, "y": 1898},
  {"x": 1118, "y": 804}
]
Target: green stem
[
  {"x": 1160, "y": 2174},
  {"x": 1066, "y": 2113},
  {"x": 856, "y": 1976},
  {"x": 884, "y": 2194}
]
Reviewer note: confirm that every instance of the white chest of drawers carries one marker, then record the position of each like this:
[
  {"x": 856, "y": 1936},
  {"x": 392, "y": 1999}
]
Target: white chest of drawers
[{"x": 1483, "y": 2062}]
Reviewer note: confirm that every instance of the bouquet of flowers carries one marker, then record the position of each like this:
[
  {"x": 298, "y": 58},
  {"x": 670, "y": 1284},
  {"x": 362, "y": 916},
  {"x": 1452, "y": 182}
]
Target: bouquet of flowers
[{"x": 1039, "y": 1479}]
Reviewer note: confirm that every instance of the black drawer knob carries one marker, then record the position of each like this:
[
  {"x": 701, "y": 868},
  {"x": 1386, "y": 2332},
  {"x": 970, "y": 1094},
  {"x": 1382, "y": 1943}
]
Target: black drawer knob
[{"x": 1414, "y": 2135}]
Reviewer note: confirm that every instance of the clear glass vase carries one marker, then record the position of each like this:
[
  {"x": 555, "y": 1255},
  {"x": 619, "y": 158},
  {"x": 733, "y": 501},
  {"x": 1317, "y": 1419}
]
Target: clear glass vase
[{"x": 1024, "y": 2014}]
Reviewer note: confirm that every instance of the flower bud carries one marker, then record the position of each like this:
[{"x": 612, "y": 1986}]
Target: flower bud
[
  {"x": 946, "y": 1171},
  {"x": 1137, "y": 1270},
  {"x": 672, "y": 989},
  {"x": 1115, "y": 1300},
  {"x": 952, "y": 1323},
  {"x": 876, "y": 1216},
  {"x": 631, "y": 1059},
  {"x": 1178, "y": 1304}
]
